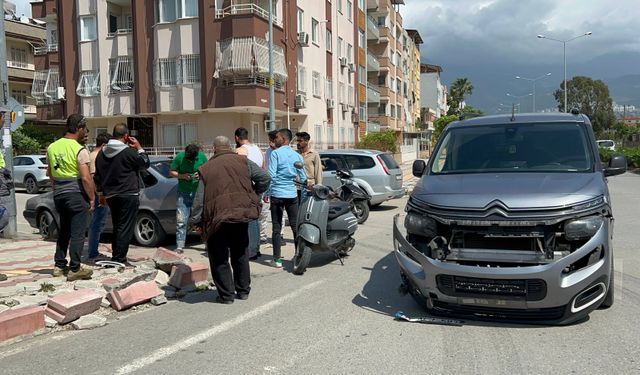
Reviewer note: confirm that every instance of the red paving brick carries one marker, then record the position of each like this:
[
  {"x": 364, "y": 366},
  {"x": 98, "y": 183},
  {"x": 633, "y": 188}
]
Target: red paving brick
[
  {"x": 183, "y": 275},
  {"x": 68, "y": 307},
  {"x": 135, "y": 294},
  {"x": 18, "y": 322}
]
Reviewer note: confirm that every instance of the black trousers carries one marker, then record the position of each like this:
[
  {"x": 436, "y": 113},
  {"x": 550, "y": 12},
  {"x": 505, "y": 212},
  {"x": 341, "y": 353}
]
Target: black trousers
[
  {"x": 73, "y": 209},
  {"x": 124, "y": 209},
  {"x": 278, "y": 205},
  {"x": 230, "y": 242}
]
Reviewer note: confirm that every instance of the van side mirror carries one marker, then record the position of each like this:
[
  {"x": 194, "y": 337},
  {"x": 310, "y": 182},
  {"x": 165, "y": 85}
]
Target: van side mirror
[
  {"x": 418, "y": 168},
  {"x": 617, "y": 165}
]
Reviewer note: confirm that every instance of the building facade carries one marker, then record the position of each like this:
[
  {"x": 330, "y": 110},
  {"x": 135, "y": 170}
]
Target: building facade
[
  {"x": 22, "y": 33},
  {"x": 187, "y": 70},
  {"x": 434, "y": 93}
]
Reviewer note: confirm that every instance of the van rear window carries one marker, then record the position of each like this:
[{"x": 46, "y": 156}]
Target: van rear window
[{"x": 389, "y": 161}]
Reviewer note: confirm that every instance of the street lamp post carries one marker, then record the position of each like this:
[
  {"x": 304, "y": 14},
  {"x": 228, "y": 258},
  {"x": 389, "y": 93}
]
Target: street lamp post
[
  {"x": 518, "y": 97},
  {"x": 564, "y": 52},
  {"x": 534, "y": 86}
]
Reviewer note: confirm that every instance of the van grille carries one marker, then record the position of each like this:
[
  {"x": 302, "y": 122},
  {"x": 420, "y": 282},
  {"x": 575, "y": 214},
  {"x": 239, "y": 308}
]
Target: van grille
[
  {"x": 546, "y": 314},
  {"x": 456, "y": 286}
]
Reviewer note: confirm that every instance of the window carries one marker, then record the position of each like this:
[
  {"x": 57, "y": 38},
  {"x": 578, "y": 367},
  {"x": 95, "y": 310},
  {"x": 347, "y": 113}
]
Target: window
[
  {"x": 341, "y": 139},
  {"x": 341, "y": 89},
  {"x": 329, "y": 41},
  {"x": 166, "y": 73},
  {"x": 392, "y": 87},
  {"x": 177, "y": 71},
  {"x": 330, "y": 135},
  {"x": 362, "y": 4},
  {"x": 398, "y": 86},
  {"x": 340, "y": 43},
  {"x": 398, "y": 112},
  {"x": 302, "y": 87},
  {"x": 87, "y": 28},
  {"x": 300, "y": 20},
  {"x": 350, "y": 53},
  {"x": 362, "y": 74},
  {"x": 359, "y": 162},
  {"x": 332, "y": 162},
  {"x": 318, "y": 135},
  {"x": 179, "y": 134},
  {"x": 351, "y": 96},
  {"x": 18, "y": 58},
  {"x": 382, "y": 109},
  {"x": 349, "y": 10},
  {"x": 315, "y": 30},
  {"x": 394, "y": 57},
  {"x": 121, "y": 74},
  {"x": 398, "y": 58},
  {"x": 363, "y": 38},
  {"x": 315, "y": 84},
  {"x": 329, "y": 88},
  {"x": 382, "y": 80},
  {"x": 20, "y": 96},
  {"x": 363, "y": 111},
  {"x": 88, "y": 84},
  {"x": 382, "y": 20},
  {"x": 339, "y": 6},
  {"x": 189, "y": 69},
  {"x": 393, "y": 111},
  {"x": 352, "y": 138},
  {"x": 171, "y": 10}
]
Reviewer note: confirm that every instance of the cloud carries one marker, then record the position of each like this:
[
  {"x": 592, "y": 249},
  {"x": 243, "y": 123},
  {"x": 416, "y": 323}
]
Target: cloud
[{"x": 504, "y": 31}]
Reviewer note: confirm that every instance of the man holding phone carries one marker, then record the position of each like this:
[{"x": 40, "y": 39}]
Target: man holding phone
[{"x": 117, "y": 176}]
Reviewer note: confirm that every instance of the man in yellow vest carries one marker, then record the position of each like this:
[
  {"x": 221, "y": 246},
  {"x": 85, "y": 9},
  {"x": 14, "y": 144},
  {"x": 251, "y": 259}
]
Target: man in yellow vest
[{"x": 73, "y": 195}]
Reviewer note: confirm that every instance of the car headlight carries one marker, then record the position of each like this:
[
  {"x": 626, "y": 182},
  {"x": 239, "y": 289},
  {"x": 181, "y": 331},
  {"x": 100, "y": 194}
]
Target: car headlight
[
  {"x": 582, "y": 228},
  {"x": 420, "y": 225}
]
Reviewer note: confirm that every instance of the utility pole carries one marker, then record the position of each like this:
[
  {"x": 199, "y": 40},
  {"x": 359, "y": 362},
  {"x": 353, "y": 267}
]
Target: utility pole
[
  {"x": 9, "y": 202},
  {"x": 272, "y": 92}
]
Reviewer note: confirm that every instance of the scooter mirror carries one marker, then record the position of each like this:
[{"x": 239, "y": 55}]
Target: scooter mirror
[{"x": 298, "y": 165}]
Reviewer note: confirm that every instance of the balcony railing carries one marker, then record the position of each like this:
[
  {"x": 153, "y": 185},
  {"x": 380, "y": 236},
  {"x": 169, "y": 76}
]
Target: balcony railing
[
  {"x": 373, "y": 94},
  {"x": 248, "y": 8},
  {"x": 373, "y": 64},
  {"x": 29, "y": 108},
  {"x": 372, "y": 28},
  {"x": 43, "y": 50},
  {"x": 119, "y": 32},
  {"x": 20, "y": 65}
]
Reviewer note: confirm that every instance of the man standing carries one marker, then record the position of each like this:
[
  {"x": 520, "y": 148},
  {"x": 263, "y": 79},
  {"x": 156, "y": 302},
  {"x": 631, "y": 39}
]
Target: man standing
[
  {"x": 73, "y": 196},
  {"x": 185, "y": 167},
  {"x": 312, "y": 163},
  {"x": 245, "y": 148},
  {"x": 100, "y": 212},
  {"x": 226, "y": 201},
  {"x": 283, "y": 193},
  {"x": 118, "y": 169}
]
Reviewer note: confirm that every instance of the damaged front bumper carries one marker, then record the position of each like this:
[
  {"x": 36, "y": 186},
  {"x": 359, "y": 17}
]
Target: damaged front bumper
[{"x": 543, "y": 293}]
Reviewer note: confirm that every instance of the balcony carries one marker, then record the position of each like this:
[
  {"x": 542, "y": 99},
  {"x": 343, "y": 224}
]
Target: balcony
[
  {"x": 248, "y": 8},
  {"x": 373, "y": 93},
  {"x": 373, "y": 32},
  {"x": 20, "y": 65},
  {"x": 44, "y": 49},
  {"x": 29, "y": 109},
  {"x": 373, "y": 4},
  {"x": 385, "y": 63},
  {"x": 373, "y": 65},
  {"x": 385, "y": 34}
]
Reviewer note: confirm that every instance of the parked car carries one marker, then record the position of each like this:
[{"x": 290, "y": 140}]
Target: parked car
[
  {"x": 375, "y": 171},
  {"x": 156, "y": 215},
  {"x": 30, "y": 172},
  {"x": 607, "y": 143},
  {"x": 511, "y": 220}
]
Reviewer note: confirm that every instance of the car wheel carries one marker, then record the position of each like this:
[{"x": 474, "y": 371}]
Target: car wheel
[
  {"x": 148, "y": 231},
  {"x": 47, "y": 225},
  {"x": 31, "y": 185}
]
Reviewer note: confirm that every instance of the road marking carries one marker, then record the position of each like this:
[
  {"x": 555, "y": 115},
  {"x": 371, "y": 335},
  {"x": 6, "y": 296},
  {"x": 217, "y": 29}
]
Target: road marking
[{"x": 171, "y": 349}]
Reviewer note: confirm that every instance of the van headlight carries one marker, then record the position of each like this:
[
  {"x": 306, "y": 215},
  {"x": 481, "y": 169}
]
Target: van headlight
[
  {"x": 582, "y": 228},
  {"x": 420, "y": 225}
]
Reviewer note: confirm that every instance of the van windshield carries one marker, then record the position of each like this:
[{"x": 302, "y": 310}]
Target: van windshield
[{"x": 548, "y": 147}]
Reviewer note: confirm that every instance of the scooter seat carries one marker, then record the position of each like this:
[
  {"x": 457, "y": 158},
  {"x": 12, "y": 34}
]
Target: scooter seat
[{"x": 338, "y": 208}]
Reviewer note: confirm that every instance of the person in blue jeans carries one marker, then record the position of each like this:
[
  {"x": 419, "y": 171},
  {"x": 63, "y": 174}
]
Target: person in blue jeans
[
  {"x": 99, "y": 217},
  {"x": 185, "y": 168}
]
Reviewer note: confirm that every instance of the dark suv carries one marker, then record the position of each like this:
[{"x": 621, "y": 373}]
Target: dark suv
[{"x": 511, "y": 219}]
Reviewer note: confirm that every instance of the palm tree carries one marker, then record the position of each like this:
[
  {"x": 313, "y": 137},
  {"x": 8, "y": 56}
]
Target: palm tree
[{"x": 460, "y": 88}]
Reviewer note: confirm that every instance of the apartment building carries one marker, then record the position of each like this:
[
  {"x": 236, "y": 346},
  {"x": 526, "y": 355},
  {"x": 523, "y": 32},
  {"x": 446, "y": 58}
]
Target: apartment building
[
  {"x": 22, "y": 34},
  {"x": 434, "y": 93},
  {"x": 413, "y": 94},
  {"x": 389, "y": 57},
  {"x": 178, "y": 71}
]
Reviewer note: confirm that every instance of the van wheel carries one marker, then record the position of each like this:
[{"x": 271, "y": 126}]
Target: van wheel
[
  {"x": 360, "y": 210},
  {"x": 148, "y": 231},
  {"x": 608, "y": 299},
  {"x": 302, "y": 257}
]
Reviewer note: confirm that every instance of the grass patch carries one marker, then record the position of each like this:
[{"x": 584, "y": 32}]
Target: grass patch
[{"x": 46, "y": 288}]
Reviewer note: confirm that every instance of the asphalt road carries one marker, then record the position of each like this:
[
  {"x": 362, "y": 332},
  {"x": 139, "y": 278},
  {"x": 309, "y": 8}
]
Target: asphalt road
[{"x": 339, "y": 320}]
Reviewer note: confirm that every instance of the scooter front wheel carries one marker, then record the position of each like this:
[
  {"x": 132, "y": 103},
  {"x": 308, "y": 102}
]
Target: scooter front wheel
[
  {"x": 360, "y": 210},
  {"x": 302, "y": 257}
]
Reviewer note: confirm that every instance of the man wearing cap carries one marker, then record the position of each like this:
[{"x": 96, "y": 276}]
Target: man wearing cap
[{"x": 73, "y": 195}]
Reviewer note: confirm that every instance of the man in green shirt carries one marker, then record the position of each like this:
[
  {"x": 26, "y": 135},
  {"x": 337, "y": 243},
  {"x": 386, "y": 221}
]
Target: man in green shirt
[{"x": 185, "y": 168}]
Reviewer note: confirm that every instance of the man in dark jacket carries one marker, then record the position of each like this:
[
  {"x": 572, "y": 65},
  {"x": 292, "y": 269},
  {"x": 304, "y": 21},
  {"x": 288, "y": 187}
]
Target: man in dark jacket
[
  {"x": 117, "y": 176},
  {"x": 226, "y": 201}
]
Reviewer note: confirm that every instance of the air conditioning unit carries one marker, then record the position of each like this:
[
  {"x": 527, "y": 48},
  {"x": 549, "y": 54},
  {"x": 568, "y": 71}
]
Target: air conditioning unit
[
  {"x": 343, "y": 61},
  {"x": 345, "y": 107},
  {"x": 331, "y": 103},
  {"x": 352, "y": 67},
  {"x": 301, "y": 101},
  {"x": 303, "y": 39},
  {"x": 60, "y": 92}
]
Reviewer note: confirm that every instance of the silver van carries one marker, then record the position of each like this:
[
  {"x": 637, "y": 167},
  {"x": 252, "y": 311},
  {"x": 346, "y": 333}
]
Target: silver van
[
  {"x": 511, "y": 220},
  {"x": 375, "y": 171}
]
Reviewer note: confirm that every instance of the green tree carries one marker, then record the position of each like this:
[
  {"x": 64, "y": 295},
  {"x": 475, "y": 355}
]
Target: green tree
[
  {"x": 440, "y": 124},
  {"x": 469, "y": 111},
  {"x": 591, "y": 98},
  {"x": 24, "y": 144},
  {"x": 384, "y": 141},
  {"x": 459, "y": 90}
]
